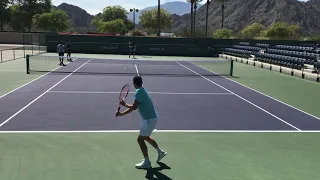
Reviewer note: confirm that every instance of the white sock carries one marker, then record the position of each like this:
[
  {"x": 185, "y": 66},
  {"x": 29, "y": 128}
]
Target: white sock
[{"x": 146, "y": 159}]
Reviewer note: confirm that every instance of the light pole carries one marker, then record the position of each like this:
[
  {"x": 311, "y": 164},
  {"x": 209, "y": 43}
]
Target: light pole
[
  {"x": 222, "y": 14},
  {"x": 134, "y": 10}
]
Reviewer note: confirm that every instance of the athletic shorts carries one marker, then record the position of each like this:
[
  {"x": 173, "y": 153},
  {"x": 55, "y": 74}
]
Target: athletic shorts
[
  {"x": 132, "y": 49},
  {"x": 147, "y": 126}
]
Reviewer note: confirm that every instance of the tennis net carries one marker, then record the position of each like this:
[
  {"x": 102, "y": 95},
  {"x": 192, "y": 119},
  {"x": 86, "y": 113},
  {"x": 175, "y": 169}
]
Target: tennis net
[{"x": 215, "y": 67}]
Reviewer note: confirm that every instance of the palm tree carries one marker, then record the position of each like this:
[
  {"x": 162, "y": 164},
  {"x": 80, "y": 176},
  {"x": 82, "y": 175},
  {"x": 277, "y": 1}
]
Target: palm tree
[
  {"x": 195, "y": 12},
  {"x": 191, "y": 13},
  {"x": 194, "y": 16},
  {"x": 207, "y": 14},
  {"x": 159, "y": 30},
  {"x": 222, "y": 8}
]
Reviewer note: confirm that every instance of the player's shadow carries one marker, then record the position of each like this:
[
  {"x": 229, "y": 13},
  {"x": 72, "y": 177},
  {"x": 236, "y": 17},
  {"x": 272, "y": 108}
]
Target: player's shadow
[{"x": 155, "y": 173}]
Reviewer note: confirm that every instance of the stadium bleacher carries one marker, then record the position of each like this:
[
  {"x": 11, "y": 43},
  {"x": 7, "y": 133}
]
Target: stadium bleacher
[{"x": 295, "y": 57}]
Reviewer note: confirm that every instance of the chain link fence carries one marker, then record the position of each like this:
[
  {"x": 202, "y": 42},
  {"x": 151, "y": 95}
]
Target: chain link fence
[{"x": 17, "y": 45}]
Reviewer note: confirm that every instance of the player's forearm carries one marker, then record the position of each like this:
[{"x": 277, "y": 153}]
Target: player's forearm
[
  {"x": 129, "y": 110},
  {"x": 129, "y": 105}
]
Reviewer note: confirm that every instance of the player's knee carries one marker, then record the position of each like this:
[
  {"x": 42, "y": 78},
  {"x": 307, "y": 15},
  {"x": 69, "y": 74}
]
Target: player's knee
[
  {"x": 141, "y": 139},
  {"x": 148, "y": 139}
]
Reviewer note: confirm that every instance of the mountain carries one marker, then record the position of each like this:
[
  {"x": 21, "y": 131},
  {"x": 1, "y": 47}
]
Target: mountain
[
  {"x": 313, "y": 2},
  {"x": 79, "y": 17},
  {"x": 241, "y": 13},
  {"x": 177, "y": 7}
]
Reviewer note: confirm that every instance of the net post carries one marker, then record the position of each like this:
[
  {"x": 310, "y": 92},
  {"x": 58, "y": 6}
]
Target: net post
[
  {"x": 28, "y": 64},
  {"x": 231, "y": 68}
]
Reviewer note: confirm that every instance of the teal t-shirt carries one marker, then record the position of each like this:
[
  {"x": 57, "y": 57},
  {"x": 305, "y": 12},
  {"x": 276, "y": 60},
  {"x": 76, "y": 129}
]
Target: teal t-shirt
[{"x": 146, "y": 107}]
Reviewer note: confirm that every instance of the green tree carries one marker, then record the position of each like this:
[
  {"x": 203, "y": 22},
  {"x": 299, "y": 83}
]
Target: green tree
[
  {"x": 222, "y": 9},
  {"x": 54, "y": 21},
  {"x": 313, "y": 38},
  {"x": 113, "y": 19},
  {"x": 222, "y": 34},
  {"x": 282, "y": 30},
  {"x": 17, "y": 21},
  {"x": 111, "y": 13},
  {"x": 4, "y": 12},
  {"x": 294, "y": 31},
  {"x": 96, "y": 22},
  {"x": 114, "y": 27},
  {"x": 252, "y": 31},
  {"x": 263, "y": 35},
  {"x": 129, "y": 25},
  {"x": 148, "y": 20},
  {"x": 29, "y": 8},
  {"x": 137, "y": 32}
]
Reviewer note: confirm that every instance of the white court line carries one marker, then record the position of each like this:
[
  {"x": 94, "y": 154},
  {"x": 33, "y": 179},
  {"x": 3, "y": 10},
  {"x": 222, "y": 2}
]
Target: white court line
[
  {"x": 130, "y": 65},
  {"x": 160, "y": 131},
  {"x": 164, "y": 93},
  {"x": 137, "y": 69},
  {"x": 243, "y": 99},
  {"x": 41, "y": 95},
  {"x": 30, "y": 82},
  {"x": 262, "y": 93}
]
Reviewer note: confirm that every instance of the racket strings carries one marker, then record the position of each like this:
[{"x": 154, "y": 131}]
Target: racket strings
[{"x": 124, "y": 92}]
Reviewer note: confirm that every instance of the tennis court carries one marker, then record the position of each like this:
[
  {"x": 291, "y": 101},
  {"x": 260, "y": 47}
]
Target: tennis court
[{"x": 76, "y": 104}]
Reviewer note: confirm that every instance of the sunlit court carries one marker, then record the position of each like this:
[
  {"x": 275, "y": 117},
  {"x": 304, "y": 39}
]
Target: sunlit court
[{"x": 78, "y": 100}]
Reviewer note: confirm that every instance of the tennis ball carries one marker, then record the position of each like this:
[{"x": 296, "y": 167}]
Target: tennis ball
[{"x": 125, "y": 68}]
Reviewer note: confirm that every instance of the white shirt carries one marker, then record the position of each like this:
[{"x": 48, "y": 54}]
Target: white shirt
[{"x": 60, "y": 48}]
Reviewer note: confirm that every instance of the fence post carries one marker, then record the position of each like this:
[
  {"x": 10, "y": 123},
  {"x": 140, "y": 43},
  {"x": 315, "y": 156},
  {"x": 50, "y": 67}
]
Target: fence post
[
  {"x": 24, "y": 47},
  {"x": 31, "y": 45},
  {"x": 39, "y": 43}
]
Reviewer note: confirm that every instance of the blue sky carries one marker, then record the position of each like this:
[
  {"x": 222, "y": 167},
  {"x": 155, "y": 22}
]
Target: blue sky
[{"x": 95, "y": 6}]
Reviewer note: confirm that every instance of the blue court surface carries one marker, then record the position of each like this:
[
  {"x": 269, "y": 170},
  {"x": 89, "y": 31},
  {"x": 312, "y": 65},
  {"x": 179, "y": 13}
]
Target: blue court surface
[{"x": 77, "y": 100}]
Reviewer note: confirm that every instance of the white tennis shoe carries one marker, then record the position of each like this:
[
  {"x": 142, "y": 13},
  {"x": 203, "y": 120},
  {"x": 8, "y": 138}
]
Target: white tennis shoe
[
  {"x": 161, "y": 155},
  {"x": 144, "y": 164}
]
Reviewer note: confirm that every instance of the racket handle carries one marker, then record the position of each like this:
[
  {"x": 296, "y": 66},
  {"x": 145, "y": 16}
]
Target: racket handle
[{"x": 119, "y": 109}]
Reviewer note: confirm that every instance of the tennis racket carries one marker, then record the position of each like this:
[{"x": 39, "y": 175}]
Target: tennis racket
[{"x": 123, "y": 94}]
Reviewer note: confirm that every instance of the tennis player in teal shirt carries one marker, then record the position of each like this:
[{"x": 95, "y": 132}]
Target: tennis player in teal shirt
[{"x": 149, "y": 117}]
